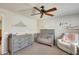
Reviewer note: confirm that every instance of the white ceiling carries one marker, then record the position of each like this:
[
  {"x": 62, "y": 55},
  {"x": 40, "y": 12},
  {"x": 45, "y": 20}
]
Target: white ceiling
[{"x": 26, "y": 9}]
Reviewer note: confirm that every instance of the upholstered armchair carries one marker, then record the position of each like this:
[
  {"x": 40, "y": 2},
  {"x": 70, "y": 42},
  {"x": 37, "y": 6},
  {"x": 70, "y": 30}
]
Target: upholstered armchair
[{"x": 68, "y": 43}]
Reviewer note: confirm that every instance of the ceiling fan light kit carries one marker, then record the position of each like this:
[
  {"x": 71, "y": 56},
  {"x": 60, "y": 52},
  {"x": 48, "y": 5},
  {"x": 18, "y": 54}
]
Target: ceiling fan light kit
[{"x": 42, "y": 11}]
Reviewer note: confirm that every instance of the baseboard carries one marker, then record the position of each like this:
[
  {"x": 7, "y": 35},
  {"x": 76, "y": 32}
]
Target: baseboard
[{"x": 43, "y": 43}]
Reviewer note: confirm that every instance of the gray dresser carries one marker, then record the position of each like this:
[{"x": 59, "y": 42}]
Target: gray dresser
[{"x": 17, "y": 42}]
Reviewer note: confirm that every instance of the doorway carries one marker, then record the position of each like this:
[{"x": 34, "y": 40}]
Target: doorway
[{"x": 0, "y": 35}]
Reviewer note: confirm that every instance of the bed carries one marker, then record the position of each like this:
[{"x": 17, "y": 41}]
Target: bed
[{"x": 46, "y": 37}]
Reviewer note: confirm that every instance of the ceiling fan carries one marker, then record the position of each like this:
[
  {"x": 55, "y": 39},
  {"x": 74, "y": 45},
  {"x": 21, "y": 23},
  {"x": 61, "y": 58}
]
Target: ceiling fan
[{"x": 42, "y": 11}]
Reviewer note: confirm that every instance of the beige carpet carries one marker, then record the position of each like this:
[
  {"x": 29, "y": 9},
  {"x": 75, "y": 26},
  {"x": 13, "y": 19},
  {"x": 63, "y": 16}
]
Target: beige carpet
[{"x": 39, "y": 49}]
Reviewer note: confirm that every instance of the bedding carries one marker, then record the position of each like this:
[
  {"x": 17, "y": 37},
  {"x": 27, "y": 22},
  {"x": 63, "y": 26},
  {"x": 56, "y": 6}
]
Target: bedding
[{"x": 45, "y": 40}]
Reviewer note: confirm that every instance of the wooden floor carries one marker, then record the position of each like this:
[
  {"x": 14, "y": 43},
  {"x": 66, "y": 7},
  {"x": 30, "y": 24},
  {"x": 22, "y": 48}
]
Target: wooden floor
[{"x": 40, "y": 49}]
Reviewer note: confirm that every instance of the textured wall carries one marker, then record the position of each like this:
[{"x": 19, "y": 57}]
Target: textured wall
[
  {"x": 54, "y": 23},
  {"x": 10, "y": 19}
]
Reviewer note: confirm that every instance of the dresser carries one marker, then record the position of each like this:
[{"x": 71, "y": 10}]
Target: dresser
[{"x": 18, "y": 42}]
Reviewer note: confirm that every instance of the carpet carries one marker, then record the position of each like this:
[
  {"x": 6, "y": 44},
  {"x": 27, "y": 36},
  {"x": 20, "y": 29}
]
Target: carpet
[{"x": 40, "y": 49}]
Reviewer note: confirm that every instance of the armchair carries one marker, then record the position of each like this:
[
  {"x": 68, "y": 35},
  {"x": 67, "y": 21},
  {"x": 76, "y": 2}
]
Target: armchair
[{"x": 68, "y": 43}]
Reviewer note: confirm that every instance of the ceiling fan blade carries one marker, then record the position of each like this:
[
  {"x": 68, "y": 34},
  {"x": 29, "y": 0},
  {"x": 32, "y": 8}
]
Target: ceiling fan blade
[
  {"x": 49, "y": 14},
  {"x": 37, "y": 9},
  {"x": 52, "y": 9},
  {"x": 35, "y": 14}
]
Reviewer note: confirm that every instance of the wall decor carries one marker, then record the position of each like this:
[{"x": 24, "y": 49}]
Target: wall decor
[
  {"x": 68, "y": 25},
  {"x": 20, "y": 24}
]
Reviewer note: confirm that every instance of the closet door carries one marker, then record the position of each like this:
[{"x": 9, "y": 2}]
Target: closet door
[
  {"x": 0, "y": 35},
  {"x": 0, "y": 29}
]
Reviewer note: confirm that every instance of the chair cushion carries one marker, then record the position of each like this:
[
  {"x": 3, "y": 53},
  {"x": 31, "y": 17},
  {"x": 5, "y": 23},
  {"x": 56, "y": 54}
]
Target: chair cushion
[
  {"x": 70, "y": 37},
  {"x": 63, "y": 42}
]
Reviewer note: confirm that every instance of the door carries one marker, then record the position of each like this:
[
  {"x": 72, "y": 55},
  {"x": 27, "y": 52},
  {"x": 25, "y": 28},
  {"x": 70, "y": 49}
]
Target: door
[{"x": 0, "y": 34}]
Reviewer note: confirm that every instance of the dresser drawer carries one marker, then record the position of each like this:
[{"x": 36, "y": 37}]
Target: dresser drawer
[
  {"x": 15, "y": 49},
  {"x": 15, "y": 39},
  {"x": 20, "y": 45},
  {"x": 25, "y": 39},
  {"x": 24, "y": 45},
  {"x": 16, "y": 44},
  {"x": 18, "y": 40}
]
